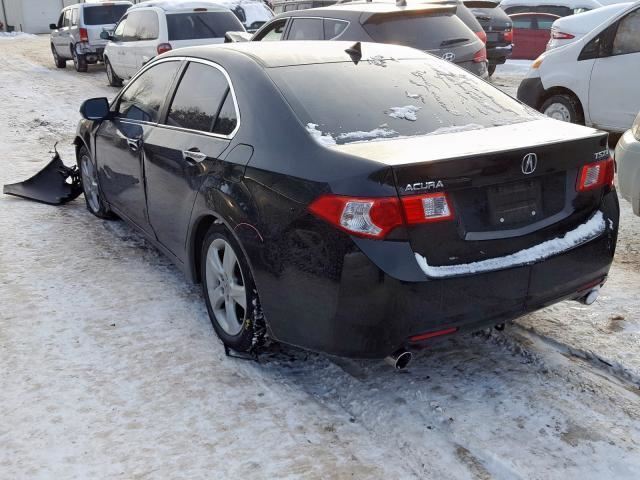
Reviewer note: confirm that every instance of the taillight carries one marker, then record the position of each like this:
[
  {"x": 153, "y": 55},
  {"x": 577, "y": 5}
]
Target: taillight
[
  {"x": 164, "y": 47},
  {"x": 433, "y": 207},
  {"x": 595, "y": 175},
  {"x": 480, "y": 56},
  {"x": 482, "y": 36},
  {"x": 84, "y": 35},
  {"x": 508, "y": 36},
  {"x": 561, "y": 36},
  {"x": 376, "y": 217}
]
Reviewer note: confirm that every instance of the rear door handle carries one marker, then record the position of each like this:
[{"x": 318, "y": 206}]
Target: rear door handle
[{"x": 194, "y": 155}]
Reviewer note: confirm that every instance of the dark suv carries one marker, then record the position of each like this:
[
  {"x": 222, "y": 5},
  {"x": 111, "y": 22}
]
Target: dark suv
[
  {"x": 434, "y": 28},
  {"x": 498, "y": 28}
]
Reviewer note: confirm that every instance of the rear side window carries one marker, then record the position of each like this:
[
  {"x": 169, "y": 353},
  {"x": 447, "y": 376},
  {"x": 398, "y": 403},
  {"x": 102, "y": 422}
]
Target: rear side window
[
  {"x": 333, "y": 28},
  {"x": 227, "y": 118},
  {"x": 67, "y": 18},
  {"x": 144, "y": 97},
  {"x": 306, "y": 29},
  {"x": 197, "y": 25},
  {"x": 104, "y": 14},
  {"x": 380, "y": 98},
  {"x": 425, "y": 32},
  {"x": 198, "y": 98}
]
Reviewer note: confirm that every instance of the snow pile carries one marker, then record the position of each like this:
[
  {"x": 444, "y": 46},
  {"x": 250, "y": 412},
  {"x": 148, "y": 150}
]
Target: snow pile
[
  {"x": 371, "y": 134},
  {"x": 583, "y": 233},
  {"x": 407, "y": 112},
  {"x": 14, "y": 35},
  {"x": 326, "y": 140}
]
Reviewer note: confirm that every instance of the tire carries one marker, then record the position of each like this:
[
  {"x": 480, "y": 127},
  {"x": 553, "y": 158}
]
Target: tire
[
  {"x": 90, "y": 186},
  {"x": 563, "y": 107},
  {"x": 491, "y": 69},
  {"x": 114, "y": 80},
  {"x": 229, "y": 291},
  {"x": 60, "y": 62},
  {"x": 79, "y": 61}
]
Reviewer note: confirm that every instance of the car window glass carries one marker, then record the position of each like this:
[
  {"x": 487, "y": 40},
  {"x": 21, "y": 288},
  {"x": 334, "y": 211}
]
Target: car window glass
[
  {"x": 306, "y": 29},
  {"x": 148, "y": 26},
  {"x": 197, "y": 25},
  {"x": 61, "y": 20},
  {"x": 144, "y": 97},
  {"x": 131, "y": 27},
  {"x": 74, "y": 17},
  {"x": 333, "y": 28},
  {"x": 67, "y": 18},
  {"x": 544, "y": 23},
  {"x": 118, "y": 35},
  {"x": 627, "y": 38},
  {"x": 198, "y": 98},
  {"x": 555, "y": 10},
  {"x": 522, "y": 22},
  {"x": 288, "y": 8},
  {"x": 103, "y": 14},
  {"x": 227, "y": 118},
  {"x": 273, "y": 32}
]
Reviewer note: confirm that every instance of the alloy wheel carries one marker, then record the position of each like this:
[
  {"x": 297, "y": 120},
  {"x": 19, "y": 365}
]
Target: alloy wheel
[
  {"x": 90, "y": 183},
  {"x": 226, "y": 287}
]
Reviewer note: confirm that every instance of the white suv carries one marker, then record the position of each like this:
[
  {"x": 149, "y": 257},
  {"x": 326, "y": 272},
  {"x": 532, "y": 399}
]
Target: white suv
[
  {"x": 154, "y": 27},
  {"x": 594, "y": 80}
]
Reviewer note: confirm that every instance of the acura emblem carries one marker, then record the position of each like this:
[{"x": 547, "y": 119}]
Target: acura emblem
[
  {"x": 449, "y": 56},
  {"x": 529, "y": 163}
]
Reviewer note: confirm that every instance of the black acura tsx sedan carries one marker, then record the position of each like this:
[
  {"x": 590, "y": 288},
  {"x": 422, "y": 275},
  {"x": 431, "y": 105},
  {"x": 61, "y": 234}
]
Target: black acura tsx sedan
[{"x": 354, "y": 199}]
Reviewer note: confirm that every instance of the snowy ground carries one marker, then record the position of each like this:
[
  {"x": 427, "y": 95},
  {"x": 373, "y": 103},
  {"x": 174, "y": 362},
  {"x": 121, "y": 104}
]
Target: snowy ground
[{"x": 109, "y": 367}]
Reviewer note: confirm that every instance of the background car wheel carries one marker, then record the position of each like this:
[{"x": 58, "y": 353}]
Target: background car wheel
[
  {"x": 79, "y": 61},
  {"x": 491, "y": 69},
  {"x": 114, "y": 80},
  {"x": 90, "y": 186},
  {"x": 229, "y": 290},
  {"x": 563, "y": 107},
  {"x": 60, "y": 62}
]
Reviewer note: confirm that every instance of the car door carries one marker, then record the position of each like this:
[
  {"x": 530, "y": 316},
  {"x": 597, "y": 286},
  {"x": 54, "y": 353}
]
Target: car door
[
  {"x": 119, "y": 140},
  {"x": 523, "y": 36},
  {"x": 62, "y": 38},
  {"x": 613, "y": 88},
  {"x": 200, "y": 121}
]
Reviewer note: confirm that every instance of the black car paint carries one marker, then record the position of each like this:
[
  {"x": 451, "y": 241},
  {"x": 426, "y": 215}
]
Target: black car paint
[
  {"x": 495, "y": 22},
  {"x": 321, "y": 288}
]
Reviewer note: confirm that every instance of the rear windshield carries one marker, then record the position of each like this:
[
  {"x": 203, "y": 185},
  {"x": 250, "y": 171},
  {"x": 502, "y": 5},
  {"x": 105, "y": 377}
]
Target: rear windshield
[
  {"x": 380, "y": 98},
  {"x": 196, "y": 25},
  {"x": 104, "y": 14},
  {"x": 425, "y": 31}
]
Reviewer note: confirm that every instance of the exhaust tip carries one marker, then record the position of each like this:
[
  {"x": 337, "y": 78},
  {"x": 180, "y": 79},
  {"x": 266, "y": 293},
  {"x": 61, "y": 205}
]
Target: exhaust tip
[
  {"x": 592, "y": 296},
  {"x": 400, "y": 360}
]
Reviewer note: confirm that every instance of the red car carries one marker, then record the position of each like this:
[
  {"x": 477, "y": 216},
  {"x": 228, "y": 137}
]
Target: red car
[{"x": 531, "y": 32}]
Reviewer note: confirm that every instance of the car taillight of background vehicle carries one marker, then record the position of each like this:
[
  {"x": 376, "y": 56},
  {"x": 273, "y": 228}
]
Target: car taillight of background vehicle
[
  {"x": 482, "y": 36},
  {"x": 164, "y": 47},
  {"x": 480, "y": 56},
  {"x": 561, "y": 36},
  {"x": 508, "y": 36},
  {"x": 595, "y": 175},
  {"x": 84, "y": 35},
  {"x": 376, "y": 217}
]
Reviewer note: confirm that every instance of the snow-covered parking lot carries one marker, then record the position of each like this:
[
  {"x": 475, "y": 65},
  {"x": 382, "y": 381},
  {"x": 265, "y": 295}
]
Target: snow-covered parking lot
[{"x": 109, "y": 366}]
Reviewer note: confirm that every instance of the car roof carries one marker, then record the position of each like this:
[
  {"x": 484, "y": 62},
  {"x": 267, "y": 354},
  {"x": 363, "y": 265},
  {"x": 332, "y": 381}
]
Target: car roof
[
  {"x": 587, "y": 21},
  {"x": 559, "y": 3},
  {"x": 179, "y": 5},
  {"x": 272, "y": 54},
  {"x": 97, "y": 3},
  {"x": 385, "y": 7}
]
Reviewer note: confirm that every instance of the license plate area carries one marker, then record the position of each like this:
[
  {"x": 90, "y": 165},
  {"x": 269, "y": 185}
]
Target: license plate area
[
  {"x": 493, "y": 37},
  {"x": 515, "y": 204}
]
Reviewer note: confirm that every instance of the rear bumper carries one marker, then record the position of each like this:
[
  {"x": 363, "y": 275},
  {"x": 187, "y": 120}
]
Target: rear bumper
[
  {"x": 477, "y": 68},
  {"x": 499, "y": 54},
  {"x": 628, "y": 161},
  {"x": 531, "y": 92},
  {"x": 380, "y": 297},
  {"x": 84, "y": 48}
]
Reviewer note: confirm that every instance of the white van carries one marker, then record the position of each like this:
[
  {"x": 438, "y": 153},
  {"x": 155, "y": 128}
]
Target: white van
[
  {"x": 154, "y": 27},
  {"x": 595, "y": 80},
  {"x": 562, "y": 8}
]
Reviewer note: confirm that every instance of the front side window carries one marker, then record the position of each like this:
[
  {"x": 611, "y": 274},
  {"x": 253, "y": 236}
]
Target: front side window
[
  {"x": 627, "y": 39},
  {"x": 144, "y": 97},
  {"x": 306, "y": 29},
  {"x": 118, "y": 35},
  {"x": 273, "y": 32},
  {"x": 198, "y": 98},
  {"x": 61, "y": 20},
  {"x": 148, "y": 26},
  {"x": 198, "y": 25}
]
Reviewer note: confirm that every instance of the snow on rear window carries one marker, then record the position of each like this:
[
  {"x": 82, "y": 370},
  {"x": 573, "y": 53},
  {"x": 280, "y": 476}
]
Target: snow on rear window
[{"x": 406, "y": 98}]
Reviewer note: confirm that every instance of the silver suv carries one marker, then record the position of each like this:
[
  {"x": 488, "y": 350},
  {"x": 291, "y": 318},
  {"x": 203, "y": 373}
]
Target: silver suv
[{"x": 76, "y": 36}]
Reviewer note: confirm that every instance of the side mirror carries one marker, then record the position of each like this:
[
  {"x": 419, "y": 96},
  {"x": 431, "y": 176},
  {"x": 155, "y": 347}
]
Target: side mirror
[
  {"x": 104, "y": 35},
  {"x": 95, "y": 109},
  {"x": 234, "y": 37},
  {"x": 53, "y": 26}
]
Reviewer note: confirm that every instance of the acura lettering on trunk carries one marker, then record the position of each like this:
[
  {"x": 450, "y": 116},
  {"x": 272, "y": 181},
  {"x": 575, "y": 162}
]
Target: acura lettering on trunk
[{"x": 359, "y": 200}]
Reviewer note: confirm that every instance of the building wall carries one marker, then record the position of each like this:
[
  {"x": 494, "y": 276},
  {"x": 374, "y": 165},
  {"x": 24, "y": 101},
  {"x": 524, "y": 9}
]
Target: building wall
[{"x": 31, "y": 16}]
